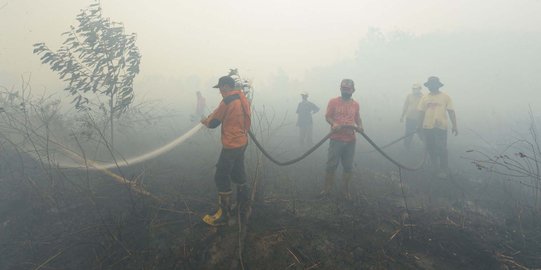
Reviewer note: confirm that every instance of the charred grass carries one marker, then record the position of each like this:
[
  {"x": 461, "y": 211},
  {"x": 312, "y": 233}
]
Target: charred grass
[{"x": 62, "y": 219}]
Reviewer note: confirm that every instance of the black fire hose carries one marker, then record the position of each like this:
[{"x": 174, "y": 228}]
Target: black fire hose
[
  {"x": 317, "y": 145},
  {"x": 392, "y": 143},
  {"x": 390, "y": 158},
  {"x": 266, "y": 154}
]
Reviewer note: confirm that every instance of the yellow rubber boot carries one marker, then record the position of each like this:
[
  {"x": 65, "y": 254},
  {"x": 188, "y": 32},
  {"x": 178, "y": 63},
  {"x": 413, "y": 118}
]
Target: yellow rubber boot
[
  {"x": 223, "y": 215},
  {"x": 327, "y": 186},
  {"x": 347, "y": 179}
]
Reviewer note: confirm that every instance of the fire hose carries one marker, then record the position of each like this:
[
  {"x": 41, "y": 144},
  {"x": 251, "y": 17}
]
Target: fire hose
[{"x": 320, "y": 142}]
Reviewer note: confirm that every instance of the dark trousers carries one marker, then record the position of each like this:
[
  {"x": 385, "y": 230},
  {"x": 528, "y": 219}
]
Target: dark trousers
[
  {"x": 340, "y": 152},
  {"x": 305, "y": 135},
  {"x": 230, "y": 168},
  {"x": 411, "y": 126},
  {"x": 436, "y": 145}
]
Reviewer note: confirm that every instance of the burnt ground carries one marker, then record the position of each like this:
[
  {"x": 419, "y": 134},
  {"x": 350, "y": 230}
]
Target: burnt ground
[{"x": 62, "y": 219}]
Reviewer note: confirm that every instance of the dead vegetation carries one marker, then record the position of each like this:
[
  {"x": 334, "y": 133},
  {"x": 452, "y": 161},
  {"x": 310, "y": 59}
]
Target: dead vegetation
[
  {"x": 54, "y": 218},
  {"x": 98, "y": 224}
]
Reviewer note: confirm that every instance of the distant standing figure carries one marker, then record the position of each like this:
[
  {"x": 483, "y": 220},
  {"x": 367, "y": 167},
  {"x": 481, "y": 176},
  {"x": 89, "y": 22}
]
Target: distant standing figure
[
  {"x": 305, "y": 109},
  {"x": 433, "y": 109},
  {"x": 343, "y": 116},
  {"x": 411, "y": 113},
  {"x": 201, "y": 105}
]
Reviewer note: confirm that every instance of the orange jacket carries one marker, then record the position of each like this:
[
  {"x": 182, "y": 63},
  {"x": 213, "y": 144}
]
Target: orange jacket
[{"x": 233, "y": 114}]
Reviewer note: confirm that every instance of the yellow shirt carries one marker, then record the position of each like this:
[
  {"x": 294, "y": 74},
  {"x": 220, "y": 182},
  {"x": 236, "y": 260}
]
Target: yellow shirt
[
  {"x": 435, "y": 107},
  {"x": 412, "y": 101}
]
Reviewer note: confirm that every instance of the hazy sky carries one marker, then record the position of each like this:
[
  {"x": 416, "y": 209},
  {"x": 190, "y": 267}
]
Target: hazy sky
[
  {"x": 182, "y": 40},
  {"x": 206, "y": 37}
]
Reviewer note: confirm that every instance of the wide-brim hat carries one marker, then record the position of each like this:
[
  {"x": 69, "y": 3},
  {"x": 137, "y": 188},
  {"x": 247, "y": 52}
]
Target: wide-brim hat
[{"x": 433, "y": 81}]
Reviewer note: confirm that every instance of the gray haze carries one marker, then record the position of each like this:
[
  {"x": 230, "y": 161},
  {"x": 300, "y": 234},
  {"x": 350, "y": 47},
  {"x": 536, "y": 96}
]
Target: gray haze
[
  {"x": 179, "y": 39},
  {"x": 485, "y": 52}
]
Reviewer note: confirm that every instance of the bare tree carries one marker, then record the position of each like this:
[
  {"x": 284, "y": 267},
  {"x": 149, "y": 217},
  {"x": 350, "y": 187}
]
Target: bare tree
[{"x": 520, "y": 161}]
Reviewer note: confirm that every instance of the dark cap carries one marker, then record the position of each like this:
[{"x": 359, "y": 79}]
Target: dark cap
[
  {"x": 225, "y": 80},
  {"x": 433, "y": 81}
]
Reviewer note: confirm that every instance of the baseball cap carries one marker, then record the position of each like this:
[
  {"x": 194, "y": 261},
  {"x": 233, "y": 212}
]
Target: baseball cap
[{"x": 225, "y": 80}]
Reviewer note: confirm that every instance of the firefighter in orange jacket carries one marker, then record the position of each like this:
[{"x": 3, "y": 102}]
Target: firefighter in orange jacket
[{"x": 233, "y": 114}]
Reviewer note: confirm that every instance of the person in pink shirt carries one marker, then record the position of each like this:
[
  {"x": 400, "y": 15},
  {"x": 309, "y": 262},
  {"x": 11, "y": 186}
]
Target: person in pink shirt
[{"x": 344, "y": 118}]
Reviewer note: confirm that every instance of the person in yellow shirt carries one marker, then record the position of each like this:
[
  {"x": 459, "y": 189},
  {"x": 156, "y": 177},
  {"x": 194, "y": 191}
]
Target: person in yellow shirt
[
  {"x": 411, "y": 113},
  {"x": 433, "y": 109}
]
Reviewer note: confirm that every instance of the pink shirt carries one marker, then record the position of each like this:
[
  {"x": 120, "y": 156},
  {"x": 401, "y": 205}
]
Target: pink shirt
[{"x": 343, "y": 112}]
